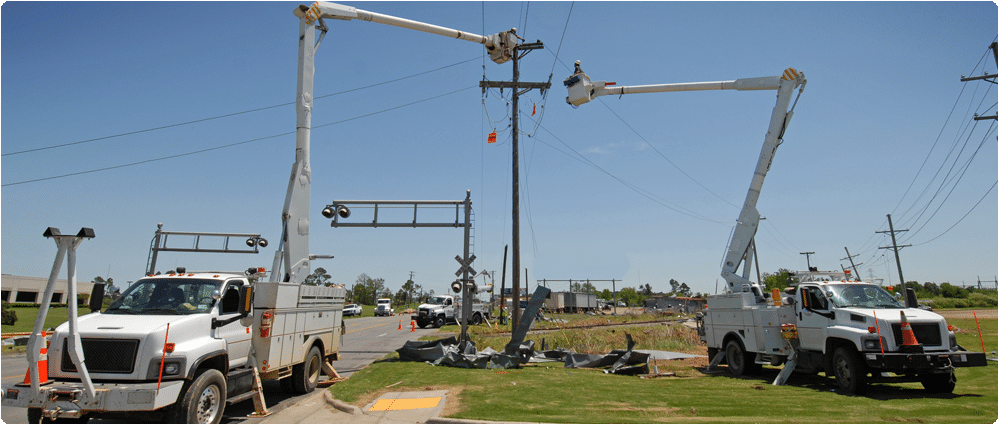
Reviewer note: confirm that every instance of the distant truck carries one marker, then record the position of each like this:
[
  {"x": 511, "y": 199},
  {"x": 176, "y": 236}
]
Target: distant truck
[
  {"x": 444, "y": 309},
  {"x": 383, "y": 307},
  {"x": 571, "y": 302},
  {"x": 352, "y": 310}
]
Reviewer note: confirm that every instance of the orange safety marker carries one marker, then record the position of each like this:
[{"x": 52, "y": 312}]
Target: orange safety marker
[
  {"x": 43, "y": 365},
  {"x": 413, "y": 326},
  {"x": 910, "y": 342},
  {"x": 400, "y": 325},
  {"x": 879, "y": 333},
  {"x": 980, "y": 331}
]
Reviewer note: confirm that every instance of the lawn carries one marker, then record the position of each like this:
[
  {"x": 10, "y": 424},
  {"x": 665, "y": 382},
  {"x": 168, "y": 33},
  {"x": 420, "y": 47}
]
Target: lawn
[{"x": 553, "y": 394}]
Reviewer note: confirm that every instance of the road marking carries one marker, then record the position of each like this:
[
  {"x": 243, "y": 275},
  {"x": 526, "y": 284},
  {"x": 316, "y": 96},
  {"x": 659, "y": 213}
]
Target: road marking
[
  {"x": 382, "y": 335},
  {"x": 404, "y": 404},
  {"x": 356, "y": 330}
]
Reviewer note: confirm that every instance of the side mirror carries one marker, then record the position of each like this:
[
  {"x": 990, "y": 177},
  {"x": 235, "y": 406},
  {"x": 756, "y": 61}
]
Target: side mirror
[
  {"x": 911, "y": 298},
  {"x": 246, "y": 300},
  {"x": 97, "y": 297}
]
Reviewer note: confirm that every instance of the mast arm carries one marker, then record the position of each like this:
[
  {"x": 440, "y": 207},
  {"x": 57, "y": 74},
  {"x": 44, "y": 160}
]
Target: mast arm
[
  {"x": 582, "y": 90},
  {"x": 500, "y": 45}
]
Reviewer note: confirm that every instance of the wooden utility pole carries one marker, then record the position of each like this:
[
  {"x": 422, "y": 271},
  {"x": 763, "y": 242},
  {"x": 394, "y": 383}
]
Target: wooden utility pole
[
  {"x": 517, "y": 86},
  {"x": 853, "y": 266},
  {"x": 895, "y": 249}
]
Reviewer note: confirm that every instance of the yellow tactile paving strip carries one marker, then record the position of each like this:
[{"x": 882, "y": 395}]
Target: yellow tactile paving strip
[{"x": 404, "y": 404}]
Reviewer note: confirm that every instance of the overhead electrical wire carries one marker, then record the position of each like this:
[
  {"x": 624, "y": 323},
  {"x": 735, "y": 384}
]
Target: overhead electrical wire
[
  {"x": 233, "y": 144},
  {"x": 963, "y": 217},
  {"x": 163, "y": 127}
]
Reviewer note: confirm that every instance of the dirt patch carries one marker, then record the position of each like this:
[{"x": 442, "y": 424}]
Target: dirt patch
[{"x": 967, "y": 314}]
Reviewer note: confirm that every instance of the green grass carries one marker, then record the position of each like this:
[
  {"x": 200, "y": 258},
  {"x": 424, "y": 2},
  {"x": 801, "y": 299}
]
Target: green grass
[
  {"x": 58, "y": 314},
  {"x": 553, "y": 394}
]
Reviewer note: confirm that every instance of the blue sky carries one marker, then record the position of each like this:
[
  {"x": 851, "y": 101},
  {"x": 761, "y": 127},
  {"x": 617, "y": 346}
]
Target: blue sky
[{"x": 884, "y": 126}]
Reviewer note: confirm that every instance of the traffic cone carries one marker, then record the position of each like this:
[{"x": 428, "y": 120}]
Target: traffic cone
[
  {"x": 43, "y": 365},
  {"x": 400, "y": 325},
  {"x": 910, "y": 343},
  {"x": 413, "y": 326}
]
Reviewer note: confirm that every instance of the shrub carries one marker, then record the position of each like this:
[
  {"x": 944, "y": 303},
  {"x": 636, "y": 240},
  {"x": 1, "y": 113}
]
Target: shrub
[{"x": 9, "y": 316}]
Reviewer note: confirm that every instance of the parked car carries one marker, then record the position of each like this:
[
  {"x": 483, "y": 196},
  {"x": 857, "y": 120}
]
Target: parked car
[
  {"x": 352, "y": 310},
  {"x": 383, "y": 310}
]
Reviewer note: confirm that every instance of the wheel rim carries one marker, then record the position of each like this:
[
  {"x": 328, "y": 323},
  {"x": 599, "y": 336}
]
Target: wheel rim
[
  {"x": 735, "y": 357},
  {"x": 314, "y": 368},
  {"x": 208, "y": 405},
  {"x": 843, "y": 371}
]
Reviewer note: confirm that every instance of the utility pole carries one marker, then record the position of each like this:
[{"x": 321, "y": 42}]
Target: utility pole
[
  {"x": 516, "y": 85},
  {"x": 987, "y": 77},
  {"x": 409, "y": 293},
  {"x": 853, "y": 266},
  {"x": 895, "y": 249},
  {"x": 807, "y": 254}
]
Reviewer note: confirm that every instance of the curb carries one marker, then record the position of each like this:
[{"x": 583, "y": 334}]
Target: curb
[{"x": 341, "y": 406}]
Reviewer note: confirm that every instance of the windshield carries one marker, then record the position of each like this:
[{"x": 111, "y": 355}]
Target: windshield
[
  {"x": 438, "y": 300},
  {"x": 862, "y": 295},
  {"x": 166, "y": 296}
]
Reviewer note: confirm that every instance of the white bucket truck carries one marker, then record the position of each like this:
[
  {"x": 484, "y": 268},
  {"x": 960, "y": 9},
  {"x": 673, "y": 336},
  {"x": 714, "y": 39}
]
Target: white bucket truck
[{"x": 826, "y": 324}]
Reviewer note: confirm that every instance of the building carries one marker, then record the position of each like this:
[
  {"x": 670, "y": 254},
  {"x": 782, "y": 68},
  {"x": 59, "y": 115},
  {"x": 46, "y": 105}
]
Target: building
[{"x": 29, "y": 290}]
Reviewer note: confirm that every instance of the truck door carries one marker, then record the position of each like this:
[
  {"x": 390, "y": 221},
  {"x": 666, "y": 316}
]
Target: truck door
[
  {"x": 814, "y": 317},
  {"x": 236, "y": 335}
]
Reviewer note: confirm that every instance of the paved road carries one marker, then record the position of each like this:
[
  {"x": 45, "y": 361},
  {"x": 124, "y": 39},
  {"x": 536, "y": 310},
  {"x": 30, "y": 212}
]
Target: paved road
[{"x": 367, "y": 339}]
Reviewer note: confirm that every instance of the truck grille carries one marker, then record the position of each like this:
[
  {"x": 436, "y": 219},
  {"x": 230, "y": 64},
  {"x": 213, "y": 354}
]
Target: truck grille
[
  {"x": 423, "y": 312},
  {"x": 927, "y": 334},
  {"x": 104, "y": 355}
]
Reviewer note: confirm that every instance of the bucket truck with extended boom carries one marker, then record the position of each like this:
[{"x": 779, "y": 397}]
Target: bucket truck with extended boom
[
  {"x": 854, "y": 331},
  {"x": 181, "y": 346}
]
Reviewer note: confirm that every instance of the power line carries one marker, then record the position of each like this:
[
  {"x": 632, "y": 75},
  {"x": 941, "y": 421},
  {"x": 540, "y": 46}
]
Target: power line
[
  {"x": 163, "y": 127},
  {"x": 963, "y": 217},
  {"x": 231, "y": 144}
]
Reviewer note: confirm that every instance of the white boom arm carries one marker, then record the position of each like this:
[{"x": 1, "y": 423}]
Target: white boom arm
[
  {"x": 582, "y": 90},
  {"x": 293, "y": 249}
]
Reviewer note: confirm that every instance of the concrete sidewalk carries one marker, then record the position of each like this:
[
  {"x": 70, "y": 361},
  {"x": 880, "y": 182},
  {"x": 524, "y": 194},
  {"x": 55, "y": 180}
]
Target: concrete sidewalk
[{"x": 390, "y": 408}]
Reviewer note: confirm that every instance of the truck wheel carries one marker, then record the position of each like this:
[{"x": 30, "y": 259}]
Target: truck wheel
[
  {"x": 305, "y": 375},
  {"x": 739, "y": 361},
  {"x": 439, "y": 321},
  {"x": 939, "y": 382},
  {"x": 35, "y": 417},
  {"x": 204, "y": 401},
  {"x": 477, "y": 319},
  {"x": 852, "y": 378}
]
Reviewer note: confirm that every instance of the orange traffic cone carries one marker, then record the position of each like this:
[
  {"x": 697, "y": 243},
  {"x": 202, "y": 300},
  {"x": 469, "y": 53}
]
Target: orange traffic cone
[
  {"x": 43, "y": 366},
  {"x": 910, "y": 343},
  {"x": 413, "y": 326},
  {"x": 400, "y": 325}
]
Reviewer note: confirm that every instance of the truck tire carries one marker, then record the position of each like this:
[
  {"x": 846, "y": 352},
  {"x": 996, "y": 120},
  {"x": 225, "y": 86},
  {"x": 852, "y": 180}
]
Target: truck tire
[
  {"x": 305, "y": 375},
  {"x": 852, "y": 378},
  {"x": 204, "y": 400},
  {"x": 477, "y": 319},
  {"x": 439, "y": 321},
  {"x": 740, "y": 362},
  {"x": 942, "y": 383},
  {"x": 35, "y": 417}
]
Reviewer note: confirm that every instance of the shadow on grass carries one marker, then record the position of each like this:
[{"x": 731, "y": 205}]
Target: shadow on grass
[{"x": 820, "y": 383}]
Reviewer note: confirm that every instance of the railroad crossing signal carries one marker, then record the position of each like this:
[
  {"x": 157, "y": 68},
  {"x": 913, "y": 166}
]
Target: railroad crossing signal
[{"x": 466, "y": 265}]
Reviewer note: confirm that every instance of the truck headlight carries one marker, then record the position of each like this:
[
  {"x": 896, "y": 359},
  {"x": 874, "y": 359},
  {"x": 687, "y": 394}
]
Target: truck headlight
[
  {"x": 871, "y": 344},
  {"x": 172, "y": 368}
]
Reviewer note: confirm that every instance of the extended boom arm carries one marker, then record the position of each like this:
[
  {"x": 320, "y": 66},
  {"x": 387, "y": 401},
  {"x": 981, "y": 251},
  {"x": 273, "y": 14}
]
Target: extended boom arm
[
  {"x": 293, "y": 248},
  {"x": 582, "y": 90}
]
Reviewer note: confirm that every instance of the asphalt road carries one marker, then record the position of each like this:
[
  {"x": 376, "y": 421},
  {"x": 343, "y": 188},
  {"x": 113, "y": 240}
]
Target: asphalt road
[{"x": 366, "y": 339}]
